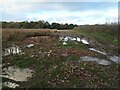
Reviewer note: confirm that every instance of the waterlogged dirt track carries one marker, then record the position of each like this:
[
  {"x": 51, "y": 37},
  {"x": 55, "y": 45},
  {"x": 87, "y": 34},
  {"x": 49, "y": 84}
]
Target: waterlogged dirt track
[{"x": 63, "y": 60}]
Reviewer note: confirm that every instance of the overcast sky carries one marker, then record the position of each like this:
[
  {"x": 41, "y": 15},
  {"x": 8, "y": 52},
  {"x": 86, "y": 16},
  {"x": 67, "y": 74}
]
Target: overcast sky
[{"x": 61, "y": 12}]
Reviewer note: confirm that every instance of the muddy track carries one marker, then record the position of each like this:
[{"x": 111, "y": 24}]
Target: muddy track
[{"x": 67, "y": 59}]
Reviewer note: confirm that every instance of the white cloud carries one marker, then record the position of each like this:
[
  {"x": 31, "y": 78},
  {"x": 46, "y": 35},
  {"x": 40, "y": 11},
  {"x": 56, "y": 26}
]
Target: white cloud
[
  {"x": 59, "y": 1},
  {"x": 24, "y": 7},
  {"x": 56, "y": 13},
  {"x": 83, "y": 17},
  {"x": 13, "y": 8}
]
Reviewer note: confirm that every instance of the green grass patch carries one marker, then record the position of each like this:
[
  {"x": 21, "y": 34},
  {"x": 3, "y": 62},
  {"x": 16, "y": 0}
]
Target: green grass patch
[
  {"x": 100, "y": 36},
  {"x": 97, "y": 71},
  {"x": 23, "y": 61},
  {"x": 73, "y": 44},
  {"x": 72, "y": 58}
]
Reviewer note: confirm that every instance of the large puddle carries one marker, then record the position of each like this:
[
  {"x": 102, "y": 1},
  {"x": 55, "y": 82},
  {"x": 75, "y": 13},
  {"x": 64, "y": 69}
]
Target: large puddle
[{"x": 16, "y": 74}]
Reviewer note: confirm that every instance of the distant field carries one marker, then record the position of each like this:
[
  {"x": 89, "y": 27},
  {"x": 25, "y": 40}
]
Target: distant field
[
  {"x": 102, "y": 33},
  {"x": 20, "y": 34}
]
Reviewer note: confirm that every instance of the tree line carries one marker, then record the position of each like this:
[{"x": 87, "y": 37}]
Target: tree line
[{"x": 36, "y": 25}]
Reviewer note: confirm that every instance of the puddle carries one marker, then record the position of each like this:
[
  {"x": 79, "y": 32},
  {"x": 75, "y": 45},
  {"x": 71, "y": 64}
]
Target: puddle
[
  {"x": 94, "y": 59},
  {"x": 77, "y": 39},
  {"x": 115, "y": 59},
  {"x": 17, "y": 74},
  {"x": 61, "y": 38},
  {"x": 73, "y": 39},
  {"x": 104, "y": 62},
  {"x": 30, "y": 45},
  {"x": 12, "y": 50},
  {"x": 11, "y": 85},
  {"x": 84, "y": 41},
  {"x": 88, "y": 58},
  {"x": 66, "y": 38},
  {"x": 92, "y": 49}
]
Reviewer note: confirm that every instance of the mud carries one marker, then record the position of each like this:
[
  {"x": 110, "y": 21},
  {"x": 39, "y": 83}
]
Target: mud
[{"x": 47, "y": 53}]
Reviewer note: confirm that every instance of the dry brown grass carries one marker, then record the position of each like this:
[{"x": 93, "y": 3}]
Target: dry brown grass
[{"x": 20, "y": 34}]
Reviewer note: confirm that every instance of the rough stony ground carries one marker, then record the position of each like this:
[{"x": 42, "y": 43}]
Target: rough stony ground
[{"x": 56, "y": 65}]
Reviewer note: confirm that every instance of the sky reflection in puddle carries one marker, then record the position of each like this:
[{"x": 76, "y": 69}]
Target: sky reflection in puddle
[
  {"x": 12, "y": 50},
  {"x": 77, "y": 39},
  {"x": 17, "y": 74},
  {"x": 115, "y": 59},
  {"x": 94, "y": 59},
  {"x": 30, "y": 45},
  {"x": 104, "y": 62},
  {"x": 11, "y": 85}
]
